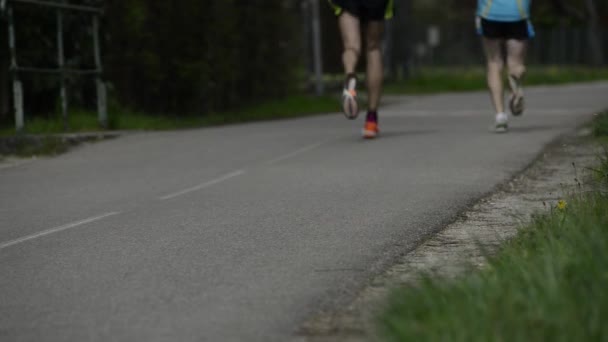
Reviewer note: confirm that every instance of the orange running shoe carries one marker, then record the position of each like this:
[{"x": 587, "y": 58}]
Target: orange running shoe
[{"x": 370, "y": 130}]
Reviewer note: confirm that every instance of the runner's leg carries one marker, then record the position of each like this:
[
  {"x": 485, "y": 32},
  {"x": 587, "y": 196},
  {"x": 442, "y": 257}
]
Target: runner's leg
[
  {"x": 516, "y": 53},
  {"x": 495, "y": 65},
  {"x": 351, "y": 39},
  {"x": 375, "y": 73}
]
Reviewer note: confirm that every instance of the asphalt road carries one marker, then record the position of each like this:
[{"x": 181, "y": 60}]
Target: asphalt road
[{"x": 239, "y": 233}]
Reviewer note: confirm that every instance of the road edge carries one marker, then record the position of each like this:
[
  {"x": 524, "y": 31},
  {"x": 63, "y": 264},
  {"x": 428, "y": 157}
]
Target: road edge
[{"x": 476, "y": 232}]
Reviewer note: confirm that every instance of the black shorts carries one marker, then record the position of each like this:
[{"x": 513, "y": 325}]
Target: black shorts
[
  {"x": 519, "y": 30},
  {"x": 365, "y": 10}
]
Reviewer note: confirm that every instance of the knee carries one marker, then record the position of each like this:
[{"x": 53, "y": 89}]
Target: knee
[
  {"x": 494, "y": 76},
  {"x": 353, "y": 49},
  {"x": 517, "y": 69},
  {"x": 373, "y": 46},
  {"x": 352, "y": 46},
  {"x": 495, "y": 65}
]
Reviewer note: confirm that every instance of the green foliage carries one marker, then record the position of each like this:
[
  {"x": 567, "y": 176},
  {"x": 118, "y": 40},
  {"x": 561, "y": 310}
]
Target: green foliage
[
  {"x": 28, "y": 147},
  {"x": 123, "y": 118},
  {"x": 179, "y": 57},
  {"x": 600, "y": 127},
  {"x": 198, "y": 57},
  {"x": 546, "y": 285}
]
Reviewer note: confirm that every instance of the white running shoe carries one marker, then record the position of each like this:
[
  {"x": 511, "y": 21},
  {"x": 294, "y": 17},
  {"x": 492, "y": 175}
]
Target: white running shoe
[
  {"x": 350, "y": 107},
  {"x": 501, "y": 124}
]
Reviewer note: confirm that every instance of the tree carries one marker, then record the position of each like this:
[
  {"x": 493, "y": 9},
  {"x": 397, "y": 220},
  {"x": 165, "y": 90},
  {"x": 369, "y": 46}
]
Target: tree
[
  {"x": 587, "y": 12},
  {"x": 196, "y": 57}
]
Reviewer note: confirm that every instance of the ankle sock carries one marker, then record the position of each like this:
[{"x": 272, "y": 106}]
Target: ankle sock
[
  {"x": 502, "y": 117},
  {"x": 372, "y": 115},
  {"x": 351, "y": 81}
]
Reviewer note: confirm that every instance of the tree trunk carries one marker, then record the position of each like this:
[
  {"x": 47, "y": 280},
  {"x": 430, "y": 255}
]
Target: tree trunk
[{"x": 593, "y": 34}]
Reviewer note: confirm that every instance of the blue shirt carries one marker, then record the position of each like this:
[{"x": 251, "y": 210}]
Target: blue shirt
[{"x": 504, "y": 10}]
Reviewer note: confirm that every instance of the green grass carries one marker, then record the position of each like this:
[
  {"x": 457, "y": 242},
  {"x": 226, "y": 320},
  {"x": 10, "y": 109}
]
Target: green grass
[
  {"x": 600, "y": 128},
  {"x": 547, "y": 284},
  {"x": 123, "y": 119},
  {"x": 289, "y": 107},
  {"x": 46, "y": 146},
  {"x": 434, "y": 80},
  {"x": 79, "y": 121},
  {"x": 40, "y": 134},
  {"x": 426, "y": 80}
]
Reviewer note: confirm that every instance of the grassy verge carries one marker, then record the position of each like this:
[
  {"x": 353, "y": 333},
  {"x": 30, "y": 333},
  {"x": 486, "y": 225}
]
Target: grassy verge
[
  {"x": 40, "y": 133},
  {"x": 23, "y": 147},
  {"x": 45, "y": 145},
  {"x": 121, "y": 119},
  {"x": 426, "y": 80},
  {"x": 547, "y": 284},
  {"x": 600, "y": 128},
  {"x": 433, "y": 80}
]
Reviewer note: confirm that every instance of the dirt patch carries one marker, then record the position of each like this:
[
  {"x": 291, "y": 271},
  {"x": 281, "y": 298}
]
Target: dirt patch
[{"x": 466, "y": 243}]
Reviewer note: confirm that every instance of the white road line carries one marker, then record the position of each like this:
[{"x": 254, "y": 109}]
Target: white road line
[
  {"x": 11, "y": 164},
  {"x": 239, "y": 172},
  {"x": 295, "y": 153},
  {"x": 56, "y": 230},
  {"x": 203, "y": 185}
]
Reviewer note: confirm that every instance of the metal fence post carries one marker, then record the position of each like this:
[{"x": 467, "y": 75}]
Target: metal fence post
[
  {"x": 17, "y": 87},
  {"x": 316, "y": 32},
  {"x": 61, "y": 62},
  {"x": 102, "y": 108},
  {"x": 62, "y": 71}
]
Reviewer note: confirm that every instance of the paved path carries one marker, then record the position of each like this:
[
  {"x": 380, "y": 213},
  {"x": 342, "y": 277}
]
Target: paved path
[{"x": 239, "y": 233}]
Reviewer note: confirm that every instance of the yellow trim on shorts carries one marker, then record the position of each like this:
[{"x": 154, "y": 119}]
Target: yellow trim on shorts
[
  {"x": 486, "y": 11},
  {"x": 337, "y": 9},
  {"x": 390, "y": 9},
  {"x": 520, "y": 5}
]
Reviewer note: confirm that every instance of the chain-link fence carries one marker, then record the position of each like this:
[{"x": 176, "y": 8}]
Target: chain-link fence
[
  {"x": 195, "y": 57},
  {"x": 411, "y": 44},
  {"x": 458, "y": 44}
]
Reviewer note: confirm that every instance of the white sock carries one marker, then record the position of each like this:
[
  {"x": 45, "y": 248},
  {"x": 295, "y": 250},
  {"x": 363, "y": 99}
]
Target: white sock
[{"x": 502, "y": 118}]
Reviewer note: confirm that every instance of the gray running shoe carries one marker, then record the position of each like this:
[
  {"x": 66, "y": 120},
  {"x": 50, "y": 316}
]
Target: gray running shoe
[{"x": 516, "y": 102}]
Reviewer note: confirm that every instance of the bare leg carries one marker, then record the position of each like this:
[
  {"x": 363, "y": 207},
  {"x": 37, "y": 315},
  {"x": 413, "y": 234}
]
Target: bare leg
[
  {"x": 516, "y": 55},
  {"x": 351, "y": 38},
  {"x": 375, "y": 74},
  {"x": 495, "y": 65}
]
